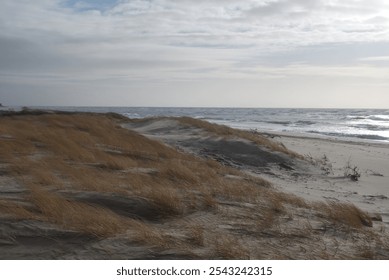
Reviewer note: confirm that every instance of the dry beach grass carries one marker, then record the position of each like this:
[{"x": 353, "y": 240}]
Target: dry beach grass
[{"x": 130, "y": 196}]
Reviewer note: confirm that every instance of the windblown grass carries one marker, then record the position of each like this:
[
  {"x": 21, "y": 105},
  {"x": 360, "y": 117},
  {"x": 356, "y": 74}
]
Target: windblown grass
[
  {"x": 15, "y": 210},
  {"x": 345, "y": 214},
  {"x": 77, "y": 216},
  {"x": 229, "y": 248},
  {"x": 93, "y": 153},
  {"x": 56, "y": 155}
]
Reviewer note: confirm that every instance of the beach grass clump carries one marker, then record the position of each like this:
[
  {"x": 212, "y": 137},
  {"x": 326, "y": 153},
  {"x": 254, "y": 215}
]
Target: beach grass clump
[
  {"x": 75, "y": 215},
  {"x": 228, "y": 247},
  {"x": 145, "y": 233},
  {"x": 168, "y": 200},
  {"x": 196, "y": 234},
  {"x": 291, "y": 199},
  {"x": 345, "y": 214},
  {"x": 15, "y": 210}
]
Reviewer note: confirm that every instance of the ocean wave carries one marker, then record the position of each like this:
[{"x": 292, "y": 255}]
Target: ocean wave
[
  {"x": 132, "y": 115},
  {"x": 357, "y": 117},
  {"x": 279, "y": 122},
  {"x": 305, "y": 122},
  {"x": 379, "y": 117},
  {"x": 370, "y": 127}
]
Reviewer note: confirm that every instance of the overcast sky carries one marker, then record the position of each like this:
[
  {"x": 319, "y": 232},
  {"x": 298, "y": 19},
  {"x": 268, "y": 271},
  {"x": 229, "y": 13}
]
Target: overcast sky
[{"x": 219, "y": 53}]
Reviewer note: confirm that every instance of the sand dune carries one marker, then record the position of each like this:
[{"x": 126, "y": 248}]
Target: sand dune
[{"x": 100, "y": 186}]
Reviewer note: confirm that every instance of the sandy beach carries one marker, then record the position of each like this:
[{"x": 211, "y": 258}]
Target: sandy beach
[
  {"x": 101, "y": 186},
  {"x": 370, "y": 192}
]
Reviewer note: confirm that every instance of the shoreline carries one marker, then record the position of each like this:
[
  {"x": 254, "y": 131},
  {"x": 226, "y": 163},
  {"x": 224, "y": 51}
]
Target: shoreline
[{"x": 298, "y": 135}]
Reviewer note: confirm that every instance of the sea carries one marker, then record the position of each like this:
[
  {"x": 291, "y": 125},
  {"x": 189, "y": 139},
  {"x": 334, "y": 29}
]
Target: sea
[{"x": 368, "y": 125}]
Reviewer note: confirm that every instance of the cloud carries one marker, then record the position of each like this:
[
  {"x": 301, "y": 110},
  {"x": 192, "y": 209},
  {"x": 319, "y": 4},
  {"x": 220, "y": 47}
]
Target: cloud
[
  {"x": 85, "y": 5},
  {"x": 142, "y": 43},
  {"x": 375, "y": 58},
  {"x": 205, "y": 23}
]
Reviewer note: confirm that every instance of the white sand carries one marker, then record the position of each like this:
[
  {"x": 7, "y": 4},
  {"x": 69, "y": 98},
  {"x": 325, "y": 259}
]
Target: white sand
[{"x": 370, "y": 193}]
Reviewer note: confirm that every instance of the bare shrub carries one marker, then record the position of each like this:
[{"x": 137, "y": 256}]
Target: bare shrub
[{"x": 351, "y": 171}]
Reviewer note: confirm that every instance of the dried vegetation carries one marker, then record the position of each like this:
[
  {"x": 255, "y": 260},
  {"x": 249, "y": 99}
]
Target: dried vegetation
[{"x": 191, "y": 203}]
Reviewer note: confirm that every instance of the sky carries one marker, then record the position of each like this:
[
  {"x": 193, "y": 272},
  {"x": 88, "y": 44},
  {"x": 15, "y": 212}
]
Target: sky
[{"x": 215, "y": 53}]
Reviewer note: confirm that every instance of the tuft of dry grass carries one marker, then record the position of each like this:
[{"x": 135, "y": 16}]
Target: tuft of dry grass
[
  {"x": 344, "y": 213},
  {"x": 167, "y": 199},
  {"x": 291, "y": 199},
  {"x": 179, "y": 171},
  {"x": 276, "y": 203},
  {"x": 148, "y": 234},
  {"x": 77, "y": 216},
  {"x": 196, "y": 234},
  {"x": 366, "y": 252},
  {"x": 266, "y": 221},
  {"x": 15, "y": 210},
  {"x": 228, "y": 247}
]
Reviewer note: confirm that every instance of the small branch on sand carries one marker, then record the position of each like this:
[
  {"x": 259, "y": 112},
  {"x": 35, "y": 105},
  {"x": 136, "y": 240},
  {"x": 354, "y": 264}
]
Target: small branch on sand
[{"x": 373, "y": 173}]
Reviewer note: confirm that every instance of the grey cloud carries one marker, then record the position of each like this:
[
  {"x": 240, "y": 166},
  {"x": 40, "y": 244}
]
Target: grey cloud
[
  {"x": 24, "y": 55},
  {"x": 138, "y": 43},
  {"x": 377, "y": 20},
  {"x": 284, "y": 7},
  {"x": 323, "y": 55},
  {"x": 357, "y": 7}
]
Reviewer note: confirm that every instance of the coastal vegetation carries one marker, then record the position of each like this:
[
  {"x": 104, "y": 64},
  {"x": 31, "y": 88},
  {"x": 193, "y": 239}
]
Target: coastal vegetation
[{"x": 87, "y": 175}]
